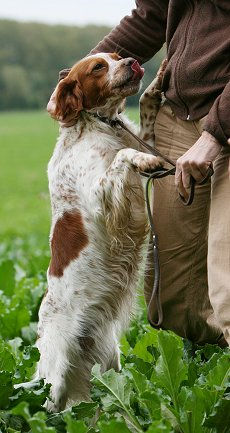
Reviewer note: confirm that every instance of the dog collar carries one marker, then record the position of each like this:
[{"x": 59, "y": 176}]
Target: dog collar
[{"x": 111, "y": 122}]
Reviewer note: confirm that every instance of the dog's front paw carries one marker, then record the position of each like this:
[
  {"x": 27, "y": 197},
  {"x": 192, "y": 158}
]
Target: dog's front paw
[{"x": 146, "y": 162}]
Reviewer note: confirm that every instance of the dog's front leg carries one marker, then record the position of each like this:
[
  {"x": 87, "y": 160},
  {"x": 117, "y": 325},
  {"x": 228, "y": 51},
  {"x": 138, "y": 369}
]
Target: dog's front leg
[
  {"x": 117, "y": 175},
  {"x": 119, "y": 190},
  {"x": 150, "y": 102}
]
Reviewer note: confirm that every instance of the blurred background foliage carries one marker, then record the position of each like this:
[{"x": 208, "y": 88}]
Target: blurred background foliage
[{"x": 32, "y": 54}]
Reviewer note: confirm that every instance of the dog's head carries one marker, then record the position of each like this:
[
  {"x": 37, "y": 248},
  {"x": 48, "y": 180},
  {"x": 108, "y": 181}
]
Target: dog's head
[{"x": 99, "y": 80}]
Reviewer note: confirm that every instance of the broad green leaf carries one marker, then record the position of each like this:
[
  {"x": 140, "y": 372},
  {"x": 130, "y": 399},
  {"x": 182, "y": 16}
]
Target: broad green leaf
[
  {"x": 193, "y": 372},
  {"x": 160, "y": 427},
  {"x": 15, "y": 345},
  {"x": 141, "y": 348},
  {"x": 6, "y": 388},
  {"x": 170, "y": 370},
  {"x": 206, "y": 352},
  {"x": 137, "y": 329},
  {"x": 7, "y": 277},
  {"x": 140, "y": 381},
  {"x": 143, "y": 367},
  {"x": 124, "y": 345},
  {"x": 74, "y": 426},
  {"x": 219, "y": 419},
  {"x": 118, "y": 392},
  {"x": 115, "y": 383},
  {"x": 194, "y": 403},
  {"x": 219, "y": 376},
  {"x": 27, "y": 364},
  {"x": 13, "y": 319},
  {"x": 29, "y": 333},
  {"x": 14, "y": 423},
  {"x": 35, "y": 395},
  {"x": 38, "y": 424},
  {"x": 7, "y": 361},
  {"x": 152, "y": 402},
  {"x": 30, "y": 291},
  {"x": 22, "y": 409},
  {"x": 113, "y": 426},
  {"x": 84, "y": 410}
]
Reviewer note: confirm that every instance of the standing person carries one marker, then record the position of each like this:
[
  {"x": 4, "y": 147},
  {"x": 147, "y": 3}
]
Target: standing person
[{"x": 192, "y": 128}]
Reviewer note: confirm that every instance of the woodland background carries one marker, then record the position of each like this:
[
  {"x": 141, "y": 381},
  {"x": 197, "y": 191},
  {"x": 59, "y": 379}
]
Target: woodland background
[{"x": 32, "y": 54}]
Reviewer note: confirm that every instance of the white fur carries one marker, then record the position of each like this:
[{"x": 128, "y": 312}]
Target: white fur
[{"x": 94, "y": 168}]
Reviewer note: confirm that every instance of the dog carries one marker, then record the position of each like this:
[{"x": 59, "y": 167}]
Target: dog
[{"x": 99, "y": 223}]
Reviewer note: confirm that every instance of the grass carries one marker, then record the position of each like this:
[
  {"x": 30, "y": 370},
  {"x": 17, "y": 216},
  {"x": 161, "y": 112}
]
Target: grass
[{"x": 26, "y": 144}]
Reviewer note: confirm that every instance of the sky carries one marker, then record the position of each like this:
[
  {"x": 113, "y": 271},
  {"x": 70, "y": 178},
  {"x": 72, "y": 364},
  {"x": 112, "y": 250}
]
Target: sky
[{"x": 76, "y": 12}]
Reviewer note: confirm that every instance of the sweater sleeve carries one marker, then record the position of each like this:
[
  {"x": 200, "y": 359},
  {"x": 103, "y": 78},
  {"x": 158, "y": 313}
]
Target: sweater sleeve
[
  {"x": 218, "y": 119},
  {"x": 139, "y": 35}
]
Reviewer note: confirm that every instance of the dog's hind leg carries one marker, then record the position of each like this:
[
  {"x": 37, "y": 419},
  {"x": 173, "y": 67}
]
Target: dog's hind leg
[{"x": 53, "y": 366}]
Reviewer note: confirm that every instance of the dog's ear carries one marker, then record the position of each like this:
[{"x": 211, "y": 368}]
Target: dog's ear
[{"x": 68, "y": 100}]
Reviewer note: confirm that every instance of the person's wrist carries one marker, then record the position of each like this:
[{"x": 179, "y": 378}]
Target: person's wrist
[
  {"x": 63, "y": 73},
  {"x": 211, "y": 139}
]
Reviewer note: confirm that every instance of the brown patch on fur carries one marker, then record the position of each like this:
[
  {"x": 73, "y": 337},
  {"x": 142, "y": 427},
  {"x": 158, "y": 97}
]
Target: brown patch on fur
[
  {"x": 69, "y": 239},
  {"x": 115, "y": 56},
  {"x": 69, "y": 99}
]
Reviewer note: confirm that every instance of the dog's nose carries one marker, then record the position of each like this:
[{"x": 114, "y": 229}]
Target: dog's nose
[{"x": 128, "y": 61}]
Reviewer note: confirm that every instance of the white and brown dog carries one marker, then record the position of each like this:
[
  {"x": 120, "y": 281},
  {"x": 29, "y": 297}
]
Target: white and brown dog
[{"x": 99, "y": 224}]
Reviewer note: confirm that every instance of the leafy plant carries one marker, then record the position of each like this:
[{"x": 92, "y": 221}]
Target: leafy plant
[{"x": 165, "y": 385}]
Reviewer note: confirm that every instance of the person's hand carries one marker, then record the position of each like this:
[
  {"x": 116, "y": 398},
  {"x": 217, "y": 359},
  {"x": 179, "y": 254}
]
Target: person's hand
[
  {"x": 195, "y": 162},
  {"x": 63, "y": 73}
]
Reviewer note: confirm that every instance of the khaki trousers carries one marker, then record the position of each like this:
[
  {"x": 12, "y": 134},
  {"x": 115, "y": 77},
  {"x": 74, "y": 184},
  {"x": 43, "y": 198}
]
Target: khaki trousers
[{"x": 194, "y": 242}]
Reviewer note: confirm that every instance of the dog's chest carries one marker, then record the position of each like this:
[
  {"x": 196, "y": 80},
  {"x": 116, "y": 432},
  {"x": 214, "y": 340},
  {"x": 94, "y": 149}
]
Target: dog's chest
[{"x": 76, "y": 163}]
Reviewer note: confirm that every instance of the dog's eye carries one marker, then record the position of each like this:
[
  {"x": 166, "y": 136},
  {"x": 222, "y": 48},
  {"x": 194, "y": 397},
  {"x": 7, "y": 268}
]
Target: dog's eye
[{"x": 98, "y": 66}]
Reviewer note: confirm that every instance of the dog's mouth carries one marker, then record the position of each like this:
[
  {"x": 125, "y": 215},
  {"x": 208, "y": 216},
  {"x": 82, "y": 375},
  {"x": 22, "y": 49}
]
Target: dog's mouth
[
  {"x": 138, "y": 71},
  {"x": 132, "y": 77}
]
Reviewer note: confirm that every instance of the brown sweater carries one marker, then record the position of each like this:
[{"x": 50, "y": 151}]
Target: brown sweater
[{"x": 197, "y": 34}]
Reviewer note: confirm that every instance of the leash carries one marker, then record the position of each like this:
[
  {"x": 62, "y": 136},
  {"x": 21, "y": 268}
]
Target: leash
[{"x": 151, "y": 176}]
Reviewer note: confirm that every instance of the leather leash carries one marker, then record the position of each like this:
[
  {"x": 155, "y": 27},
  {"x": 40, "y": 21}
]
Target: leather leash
[{"x": 156, "y": 174}]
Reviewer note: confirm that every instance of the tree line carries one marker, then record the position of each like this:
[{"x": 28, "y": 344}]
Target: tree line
[{"x": 32, "y": 54}]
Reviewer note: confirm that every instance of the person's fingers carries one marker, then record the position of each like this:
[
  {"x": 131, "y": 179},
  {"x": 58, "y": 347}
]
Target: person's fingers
[
  {"x": 182, "y": 190},
  {"x": 63, "y": 73},
  {"x": 200, "y": 171},
  {"x": 182, "y": 176},
  {"x": 186, "y": 178},
  {"x": 178, "y": 174},
  {"x": 179, "y": 184}
]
